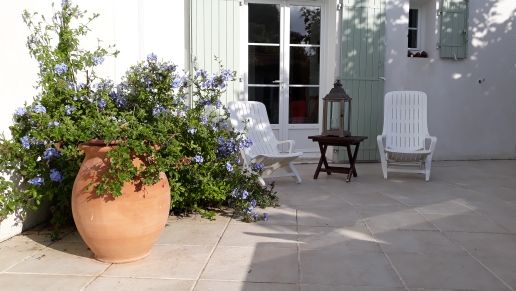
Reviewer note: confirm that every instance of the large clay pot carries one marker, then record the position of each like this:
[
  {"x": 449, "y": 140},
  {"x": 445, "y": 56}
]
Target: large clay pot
[{"x": 121, "y": 229}]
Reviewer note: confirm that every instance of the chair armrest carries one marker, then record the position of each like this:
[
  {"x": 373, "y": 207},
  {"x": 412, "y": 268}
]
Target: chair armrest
[
  {"x": 430, "y": 142},
  {"x": 291, "y": 142},
  {"x": 381, "y": 139}
]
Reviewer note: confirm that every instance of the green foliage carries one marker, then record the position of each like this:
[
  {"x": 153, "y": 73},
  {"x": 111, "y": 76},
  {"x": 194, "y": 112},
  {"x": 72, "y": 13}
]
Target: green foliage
[{"x": 147, "y": 115}]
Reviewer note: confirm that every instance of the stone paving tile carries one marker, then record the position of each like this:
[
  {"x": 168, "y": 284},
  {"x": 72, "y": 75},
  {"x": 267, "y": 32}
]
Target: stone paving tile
[
  {"x": 470, "y": 222},
  {"x": 251, "y": 234},
  {"x": 188, "y": 234},
  {"x": 133, "y": 284},
  {"x": 422, "y": 228},
  {"x": 355, "y": 239},
  {"x": 417, "y": 242},
  {"x": 332, "y": 267},
  {"x": 334, "y": 215},
  {"x": 208, "y": 285},
  {"x": 35, "y": 282},
  {"x": 319, "y": 287},
  {"x": 496, "y": 251},
  {"x": 382, "y": 220},
  {"x": 61, "y": 258},
  {"x": 265, "y": 262},
  {"x": 282, "y": 215},
  {"x": 21, "y": 247},
  {"x": 165, "y": 262},
  {"x": 445, "y": 271}
]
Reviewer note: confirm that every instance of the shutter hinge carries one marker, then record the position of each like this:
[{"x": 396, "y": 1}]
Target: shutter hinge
[
  {"x": 439, "y": 12},
  {"x": 241, "y": 2},
  {"x": 339, "y": 5}
]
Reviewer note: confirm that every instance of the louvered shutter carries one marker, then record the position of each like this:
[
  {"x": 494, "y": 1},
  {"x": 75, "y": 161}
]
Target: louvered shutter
[
  {"x": 453, "y": 35},
  {"x": 214, "y": 32}
]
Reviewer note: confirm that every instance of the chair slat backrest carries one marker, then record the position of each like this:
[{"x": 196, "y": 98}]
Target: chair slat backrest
[
  {"x": 254, "y": 115},
  {"x": 405, "y": 120}
]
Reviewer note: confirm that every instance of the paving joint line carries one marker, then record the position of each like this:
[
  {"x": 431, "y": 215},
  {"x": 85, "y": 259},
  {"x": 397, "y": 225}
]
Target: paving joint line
[
  {"x": 210, "y": 255},
  {"x": 460, "y": 246}
]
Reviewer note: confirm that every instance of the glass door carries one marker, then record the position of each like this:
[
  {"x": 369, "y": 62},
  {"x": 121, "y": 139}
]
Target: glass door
[{"x": 283, "y": 65}]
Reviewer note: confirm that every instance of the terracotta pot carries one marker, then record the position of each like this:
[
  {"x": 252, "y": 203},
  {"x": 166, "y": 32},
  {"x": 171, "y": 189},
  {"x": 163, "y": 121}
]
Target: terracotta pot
[{"x": 121, "y": 229}]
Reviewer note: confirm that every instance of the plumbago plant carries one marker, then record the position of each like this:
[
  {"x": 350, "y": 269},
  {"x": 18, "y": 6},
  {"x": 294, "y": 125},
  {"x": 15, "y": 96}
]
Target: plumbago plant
[{"x": 148, "y": 114}]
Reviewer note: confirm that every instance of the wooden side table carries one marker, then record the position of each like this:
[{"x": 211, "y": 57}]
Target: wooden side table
[{"x": 348, "y": 141}]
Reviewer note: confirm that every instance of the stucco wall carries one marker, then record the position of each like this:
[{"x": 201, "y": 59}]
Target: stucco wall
[
  {"x": 137, "y": 27},
  {"x": 471, "y": 120}
]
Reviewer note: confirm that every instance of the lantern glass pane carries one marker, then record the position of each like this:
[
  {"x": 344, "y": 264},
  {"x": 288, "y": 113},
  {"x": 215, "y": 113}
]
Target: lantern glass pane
[{"x": 334, "y": 114}]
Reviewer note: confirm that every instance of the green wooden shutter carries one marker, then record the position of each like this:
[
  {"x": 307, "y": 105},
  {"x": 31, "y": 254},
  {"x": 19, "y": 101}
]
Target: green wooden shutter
[
  {"x": 362, "y": 69},
  {"x": 453, "y": 36},
  {"x": 214, "y": 32}
]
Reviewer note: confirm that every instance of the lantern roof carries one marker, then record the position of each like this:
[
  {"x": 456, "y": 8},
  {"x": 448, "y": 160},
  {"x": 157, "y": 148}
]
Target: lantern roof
[{"x": 337, "y": 93}]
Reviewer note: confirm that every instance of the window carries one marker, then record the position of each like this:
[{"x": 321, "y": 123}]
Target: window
[{"x": 414, "y": 30}]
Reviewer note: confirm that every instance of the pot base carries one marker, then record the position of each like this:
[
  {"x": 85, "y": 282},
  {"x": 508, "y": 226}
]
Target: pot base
[{"x": 122, "y": 261}]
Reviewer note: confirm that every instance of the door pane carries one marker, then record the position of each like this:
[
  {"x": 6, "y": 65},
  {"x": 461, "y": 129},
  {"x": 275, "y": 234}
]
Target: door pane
[
  {"x": 268, "y": 96},
  {"x": 304, "y": 65},
  {"x": 305, "y": 25},
  {"x": 264, "y": 64},
  {"x": 264, "y": 23},
  {"x": 304, "y": 105}
]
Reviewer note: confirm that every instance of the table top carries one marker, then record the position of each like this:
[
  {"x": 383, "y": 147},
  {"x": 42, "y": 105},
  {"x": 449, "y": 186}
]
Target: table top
[{"x": 338, "y": 140}]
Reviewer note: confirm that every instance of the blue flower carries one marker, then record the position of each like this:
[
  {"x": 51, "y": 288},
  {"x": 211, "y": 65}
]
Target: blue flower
[
  {"x": 266, "y": 216},
  {"x": 20, "y": 111},
  {"x": 119, "y": 100},
  {"x": 40, "y": 109},
  {"x": 97, "y": 60},
  {"x": 198, "y": 159},
  {"x": 61, "y": 68},
  {"x": 158, "y": 110},
  {"x": 192, "y": 130},
  {"x": 51, "y": 153},
  {"x": 246, "y": 143},
  {"x": 229, "y": 167},
  {"x": 72, "y": 85},
  {"x": 257, "y": 167},
  {"x": 226, "y": 147},
  {"x": 226, "y": 75},
  {"x": 178, "y": 82},
  {"x": 25, "y": 141},
  {"x": 204, "y": 120},
  {"x": 245, "y": 194},
  {"x": 64, "y": 2},
  {"x": 101, "y": 103},
  {"x": 53, "y": 123},
  {"x": 209, "y": 83},
  {"x": 55, "y": 175},
  {"x": 253, "y": 203},
  {"x": 152, "y": 58},
  {"x": 218, "y": 104},
  {"x": 69, "y": 109},
  {"x": 36, "y": 181},
  {"x": 200, "y": 73}
]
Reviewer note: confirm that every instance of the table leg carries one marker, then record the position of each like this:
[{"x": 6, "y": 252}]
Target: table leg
[
  {"x": 355, "y": 154},
  {"x": 325, "y": 161},
  {"x": 322, "y": 160}
]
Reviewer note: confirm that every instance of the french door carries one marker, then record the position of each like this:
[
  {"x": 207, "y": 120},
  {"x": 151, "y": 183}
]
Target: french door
[{"x": 282, "y": 56}]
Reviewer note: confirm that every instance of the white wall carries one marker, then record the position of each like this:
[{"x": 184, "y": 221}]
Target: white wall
[
  {"x": 137, "y": 27},
  {"x": 470, "y": 120}
]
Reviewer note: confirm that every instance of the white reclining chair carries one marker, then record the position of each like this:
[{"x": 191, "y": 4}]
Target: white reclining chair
[
  {"x": 252, "y": 116},
  {"x": 405, "y": 144}
]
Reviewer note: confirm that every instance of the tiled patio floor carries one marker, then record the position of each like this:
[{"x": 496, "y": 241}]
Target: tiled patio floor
[{"x": 457, "y": 232}]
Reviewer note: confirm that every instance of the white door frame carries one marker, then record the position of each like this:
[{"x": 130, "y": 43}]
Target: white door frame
[{"x": 326, "y": 72}]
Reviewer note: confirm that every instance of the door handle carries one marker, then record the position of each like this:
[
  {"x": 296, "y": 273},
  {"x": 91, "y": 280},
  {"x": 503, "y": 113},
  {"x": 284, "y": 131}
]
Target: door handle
[
  {"x": 277, "y": 82},
  {"x": 381, "y": 78}
]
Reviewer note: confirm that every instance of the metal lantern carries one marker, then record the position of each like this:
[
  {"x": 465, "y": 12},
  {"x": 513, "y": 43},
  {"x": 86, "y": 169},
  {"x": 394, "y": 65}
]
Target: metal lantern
[{"x": 336, "y": 112}]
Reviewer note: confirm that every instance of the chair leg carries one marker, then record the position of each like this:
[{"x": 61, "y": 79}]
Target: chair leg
[
  {"x": 384, "y": 168},
  {"x": 295, "y": 172},
  {"x": 428, "y": 166}
]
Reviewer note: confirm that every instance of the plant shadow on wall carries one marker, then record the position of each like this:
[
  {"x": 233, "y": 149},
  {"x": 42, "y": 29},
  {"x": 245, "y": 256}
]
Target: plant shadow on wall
[{"x": 148, "y": 115}]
